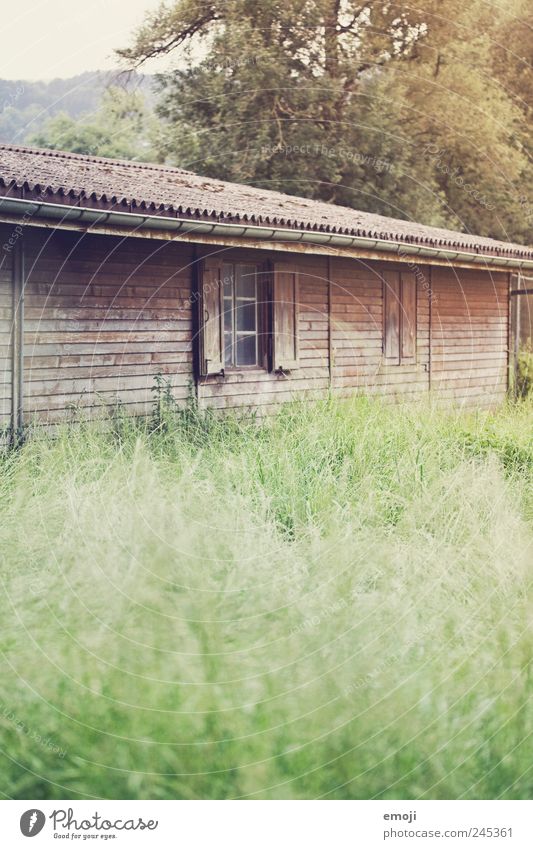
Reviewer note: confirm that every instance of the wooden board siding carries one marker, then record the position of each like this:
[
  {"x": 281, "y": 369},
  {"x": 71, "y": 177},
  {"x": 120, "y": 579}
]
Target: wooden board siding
[
  {"x": 103, "y": 316},
  {"x": 469, "y": 336},
  {"x": 6, "y": 331},
  {"x": 357, "y": 319},
  {"x": 352, "y": 336},
  {"x": 264, "y": 390}
]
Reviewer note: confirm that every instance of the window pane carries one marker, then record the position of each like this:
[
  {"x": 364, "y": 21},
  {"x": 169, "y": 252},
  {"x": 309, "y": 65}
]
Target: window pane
[
  {"x": 246, "y": 350},
  {"x": 245, "y": 281},
  {"x": 227, "y": 280},
  {"x": 228, "y": 352},
  {"x": 245, "y": 315},
  {"x": 228, "y": 314}
]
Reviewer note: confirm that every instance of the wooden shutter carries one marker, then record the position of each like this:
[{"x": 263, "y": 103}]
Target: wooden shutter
[
  {"x": 285, "y": 317},
  {"x": 211, "y": 336},
  {"x": 265, "y": 275},
  {"x": 391, "y": 315},
  {"x": 408, "y": 315}
]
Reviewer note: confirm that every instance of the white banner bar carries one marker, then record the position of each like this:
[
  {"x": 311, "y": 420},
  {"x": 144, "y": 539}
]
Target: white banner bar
[{"x": 269, "y": 824}]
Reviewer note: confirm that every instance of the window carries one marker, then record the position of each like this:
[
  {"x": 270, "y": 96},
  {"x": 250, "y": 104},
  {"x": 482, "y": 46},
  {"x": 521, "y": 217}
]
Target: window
[
  {"x": 241, "y": 315},
  {"x": 248, "y": 316},
  {"x": 399, "y": 316}
]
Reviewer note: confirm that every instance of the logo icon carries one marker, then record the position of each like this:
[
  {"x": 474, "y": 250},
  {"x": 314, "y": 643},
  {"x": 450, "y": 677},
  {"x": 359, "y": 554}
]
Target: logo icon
[{"x": 32, "y": 822}]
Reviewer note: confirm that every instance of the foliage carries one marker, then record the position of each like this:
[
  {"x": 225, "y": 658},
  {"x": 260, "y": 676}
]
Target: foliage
[
  {"x": 26, "y": 105},
  {"x": 164, "y": 405},
  {"x": 302, "y": 606},
  {"x": 525, "y": 370},
  {"x": 119, "y": 129},
  {"x": 420, "y": 112}
]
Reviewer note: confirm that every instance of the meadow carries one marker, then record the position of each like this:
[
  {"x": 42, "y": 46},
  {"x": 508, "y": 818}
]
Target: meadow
[{"x": 334, "y": 602}]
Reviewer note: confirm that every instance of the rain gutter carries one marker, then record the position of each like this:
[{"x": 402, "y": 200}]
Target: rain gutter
[{"x": 65, "y": 215}]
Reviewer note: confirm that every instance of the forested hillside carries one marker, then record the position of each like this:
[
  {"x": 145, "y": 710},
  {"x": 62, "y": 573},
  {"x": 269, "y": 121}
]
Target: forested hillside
[{"x": 63, "y": 112}]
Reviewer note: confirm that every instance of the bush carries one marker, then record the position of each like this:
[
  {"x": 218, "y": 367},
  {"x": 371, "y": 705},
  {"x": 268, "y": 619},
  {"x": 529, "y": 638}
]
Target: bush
[{"x": 525, "y": 371}]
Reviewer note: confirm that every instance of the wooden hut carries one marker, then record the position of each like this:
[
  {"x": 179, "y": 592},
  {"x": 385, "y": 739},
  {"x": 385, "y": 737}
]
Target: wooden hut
[{"x": 114, "y": 272}]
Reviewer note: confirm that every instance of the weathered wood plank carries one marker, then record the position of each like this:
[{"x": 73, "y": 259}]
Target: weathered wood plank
[
  {"x": 103, "y": 322},
  {"x": 469, "y": 335}
]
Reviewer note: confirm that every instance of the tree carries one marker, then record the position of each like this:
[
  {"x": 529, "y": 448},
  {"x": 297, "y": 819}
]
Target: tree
[
  {"x": 469, "y": 125},
  {"x": 394, "y": 109},
  {"x": 121, "y": 128},
  {"x": 281, "y": 82}
]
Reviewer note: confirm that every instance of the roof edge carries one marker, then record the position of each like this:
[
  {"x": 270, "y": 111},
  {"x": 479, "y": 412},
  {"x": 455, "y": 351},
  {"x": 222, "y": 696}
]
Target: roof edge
[{"x": 93, "y": 219}]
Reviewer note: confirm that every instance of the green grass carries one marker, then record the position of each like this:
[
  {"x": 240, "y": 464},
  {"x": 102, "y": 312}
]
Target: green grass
[{"x": 333, "y": 602}]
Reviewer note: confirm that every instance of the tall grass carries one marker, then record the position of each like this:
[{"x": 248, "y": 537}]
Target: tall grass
[{"x": 335, "y": 602}]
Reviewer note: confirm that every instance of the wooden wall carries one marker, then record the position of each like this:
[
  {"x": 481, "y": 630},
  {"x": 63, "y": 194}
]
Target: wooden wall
[
  {"x": 461, "y": 339},
  {"x": 103, "y": 316},
  {"x": 267, "y": 390},
  {"x": 469, "y": 336},
  {"x": 357, "y": 334}
]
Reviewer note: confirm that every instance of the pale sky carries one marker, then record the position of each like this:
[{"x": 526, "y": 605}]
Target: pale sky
[{"x": 43, "y": 39}]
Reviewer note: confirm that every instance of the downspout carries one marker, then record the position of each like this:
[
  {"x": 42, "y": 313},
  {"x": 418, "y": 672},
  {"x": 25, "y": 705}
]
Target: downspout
[
  {"x": 510, "y": 377},
  {"x": 330, "y": 350},
  {"x": 430, "y": 339},
  {"x": 195, "y": 325},
  {"x": 17, "y": 366}
]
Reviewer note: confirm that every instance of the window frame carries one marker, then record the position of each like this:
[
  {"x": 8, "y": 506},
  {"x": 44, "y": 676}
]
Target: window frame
[
  {"x": 260, "y": 331},
  {"x": 275, "y": 278}
]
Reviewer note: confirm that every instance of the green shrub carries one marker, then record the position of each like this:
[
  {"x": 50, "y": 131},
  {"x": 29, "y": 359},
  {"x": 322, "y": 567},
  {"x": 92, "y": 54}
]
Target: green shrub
[{"x": 525, "y": 370}]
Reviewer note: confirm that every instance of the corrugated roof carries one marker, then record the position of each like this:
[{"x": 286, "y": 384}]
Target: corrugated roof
[{"x": 75, "y": 179}]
